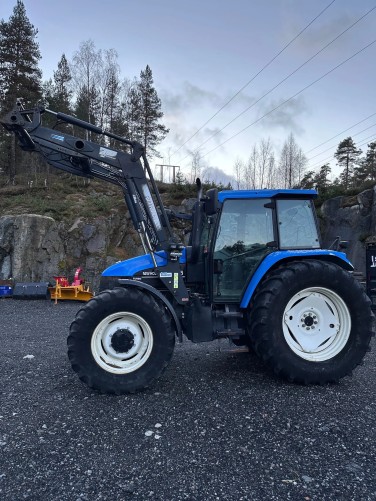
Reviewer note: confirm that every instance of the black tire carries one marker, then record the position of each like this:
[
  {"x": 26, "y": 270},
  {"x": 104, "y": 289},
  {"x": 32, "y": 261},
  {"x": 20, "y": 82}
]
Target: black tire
[
  {"x": 96, "y": 346},
  {"x": 278, "y": 321}
]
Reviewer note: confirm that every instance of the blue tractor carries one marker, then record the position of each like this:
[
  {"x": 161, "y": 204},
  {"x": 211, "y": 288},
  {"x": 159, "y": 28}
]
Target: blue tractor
[{"x": 254, "y": 271}]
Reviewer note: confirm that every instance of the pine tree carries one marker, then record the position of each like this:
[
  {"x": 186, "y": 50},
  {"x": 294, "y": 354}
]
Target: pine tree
[
  {"x": 19, "y": 74},
  {"x": 133, "y": 111},
  {"x": 370, "y": 161},
  {"x": 347, "y": 155},
  {"x": 321, "y": 179},
  {"x": 108, "y": 87},
  {"x": 19, "y": 56},
  {"x": 87, "y": 108},
  {"x": 57, "y": 95},
  {"x": 150, "y": 131},
  {"x": 308, "y": 180},
  {"x": 114, "y": 115},
  {"x": 360, "y": 173},
  {"x": 118, "y": 110},
  {"x": 62, "y": 92}
]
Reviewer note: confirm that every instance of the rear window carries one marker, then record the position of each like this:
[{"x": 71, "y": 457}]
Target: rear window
[{"x": 297, "y": 225}]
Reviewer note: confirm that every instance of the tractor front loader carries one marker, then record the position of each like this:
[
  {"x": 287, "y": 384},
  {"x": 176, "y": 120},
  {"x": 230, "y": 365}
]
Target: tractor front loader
[{"x": 254, "y": 271}]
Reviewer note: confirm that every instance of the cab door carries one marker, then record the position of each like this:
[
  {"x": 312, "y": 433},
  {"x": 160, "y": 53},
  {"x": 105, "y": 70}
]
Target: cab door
[{"x": 245, "y": 235}]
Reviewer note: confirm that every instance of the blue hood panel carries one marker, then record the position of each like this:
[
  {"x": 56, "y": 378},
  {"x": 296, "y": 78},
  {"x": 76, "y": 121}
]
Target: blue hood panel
[{"x": 132, "y": 266}]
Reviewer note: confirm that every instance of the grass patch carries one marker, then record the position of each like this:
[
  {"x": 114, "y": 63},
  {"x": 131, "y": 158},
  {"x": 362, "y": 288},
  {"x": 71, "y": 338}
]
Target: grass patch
[{"x": 65, "y": 198}]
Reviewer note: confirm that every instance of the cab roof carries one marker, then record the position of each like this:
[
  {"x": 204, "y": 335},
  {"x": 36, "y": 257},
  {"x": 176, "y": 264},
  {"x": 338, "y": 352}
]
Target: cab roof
[{"x": 243, "y": 194}]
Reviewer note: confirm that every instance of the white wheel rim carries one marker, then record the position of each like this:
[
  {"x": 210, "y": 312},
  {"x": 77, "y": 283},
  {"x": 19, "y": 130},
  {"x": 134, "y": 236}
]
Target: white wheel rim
[
  {"x": 316, "y": 324},
  {"x": 119, "y": 362}
]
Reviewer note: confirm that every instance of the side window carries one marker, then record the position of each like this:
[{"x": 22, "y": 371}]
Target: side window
[
  {"x": 296, "y": 225},
  {"x": 245, "y": 227}
]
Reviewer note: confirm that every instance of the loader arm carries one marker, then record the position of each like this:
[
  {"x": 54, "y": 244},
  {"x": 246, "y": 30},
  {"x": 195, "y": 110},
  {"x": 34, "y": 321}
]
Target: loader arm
[{"x": 94, "y": 160}]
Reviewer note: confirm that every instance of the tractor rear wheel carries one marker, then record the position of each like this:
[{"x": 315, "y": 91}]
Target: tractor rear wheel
[
  {"x": 311, "y": 322},
  {"x": 121, "y": 341}
]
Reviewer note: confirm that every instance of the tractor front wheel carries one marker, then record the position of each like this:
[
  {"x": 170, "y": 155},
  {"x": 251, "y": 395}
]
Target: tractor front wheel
[
  {"x": 121, "y": 341},
  {"x": 311, "y": 322}
]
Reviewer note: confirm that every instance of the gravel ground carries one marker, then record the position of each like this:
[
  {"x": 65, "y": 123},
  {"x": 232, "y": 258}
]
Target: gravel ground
[{"x": 217, "y": 425}]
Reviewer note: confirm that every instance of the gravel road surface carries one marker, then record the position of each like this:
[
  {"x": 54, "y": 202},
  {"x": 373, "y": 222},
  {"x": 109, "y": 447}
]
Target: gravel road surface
[{"x": 217, "y": 426}]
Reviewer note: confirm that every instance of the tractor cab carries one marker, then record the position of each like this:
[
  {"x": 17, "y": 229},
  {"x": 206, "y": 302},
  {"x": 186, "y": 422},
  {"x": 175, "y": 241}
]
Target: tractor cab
[{"x": 231, "y": 239}]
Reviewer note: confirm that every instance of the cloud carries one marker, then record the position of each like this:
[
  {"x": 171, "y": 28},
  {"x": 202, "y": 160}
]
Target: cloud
[
  {"x": 217, "y": 176},
  {"x": 287, "y": 116},
  {"x": 189, "y": 96},
  {"x": 319, "y": 34},
  {"x": 192, "y": 97},
  {"x": 180, "y": 133}
]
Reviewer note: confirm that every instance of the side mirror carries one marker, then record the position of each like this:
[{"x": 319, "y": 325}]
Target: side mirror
[{"x": 211, "y": 202}]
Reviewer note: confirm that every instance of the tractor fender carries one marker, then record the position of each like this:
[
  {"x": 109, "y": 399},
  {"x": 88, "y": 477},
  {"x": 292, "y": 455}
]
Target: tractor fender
[
  {"x": 126, "y": 282},
  {"x": 276, "y": 258}
]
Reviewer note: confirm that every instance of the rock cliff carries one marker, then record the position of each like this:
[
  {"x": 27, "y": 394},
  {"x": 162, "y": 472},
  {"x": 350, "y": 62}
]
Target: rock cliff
[
  {"x": 37, "y": 248},
  {"x": 352, "y": 218}
]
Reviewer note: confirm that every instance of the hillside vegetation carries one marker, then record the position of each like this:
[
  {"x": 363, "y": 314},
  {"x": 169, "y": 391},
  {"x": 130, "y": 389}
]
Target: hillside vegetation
[{"x": 67, "y": 196}]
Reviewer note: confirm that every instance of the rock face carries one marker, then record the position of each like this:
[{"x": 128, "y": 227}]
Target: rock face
[
  {"x": 36, "y": 248},
  {"x": 30, "y": 247},
  {"x": 352, "y": 219}
]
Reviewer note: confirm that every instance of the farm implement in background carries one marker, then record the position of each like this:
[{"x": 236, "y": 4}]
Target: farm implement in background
[{"x": 75, "y": 291}]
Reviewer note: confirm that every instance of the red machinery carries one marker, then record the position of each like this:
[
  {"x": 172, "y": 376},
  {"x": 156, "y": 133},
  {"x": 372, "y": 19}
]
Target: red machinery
[{"x": 75, "y": 291}]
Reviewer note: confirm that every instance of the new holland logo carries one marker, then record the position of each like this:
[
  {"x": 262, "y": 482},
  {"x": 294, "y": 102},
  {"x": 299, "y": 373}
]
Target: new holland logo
[
  {"x": 106, "y": 153},
  {"x": 56, "y": 136}
]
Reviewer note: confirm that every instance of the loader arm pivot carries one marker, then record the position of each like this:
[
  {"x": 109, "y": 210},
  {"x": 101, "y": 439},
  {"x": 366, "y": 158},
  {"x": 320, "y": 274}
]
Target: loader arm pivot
[{"x": 94, "y": 159}]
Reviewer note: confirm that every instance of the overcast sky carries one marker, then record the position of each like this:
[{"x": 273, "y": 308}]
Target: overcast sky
[{"x": 202, "y": 52}]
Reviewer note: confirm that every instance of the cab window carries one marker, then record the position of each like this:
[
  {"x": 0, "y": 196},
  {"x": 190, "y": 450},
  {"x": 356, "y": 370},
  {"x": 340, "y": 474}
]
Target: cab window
[{"x": 297, "y": 225}]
